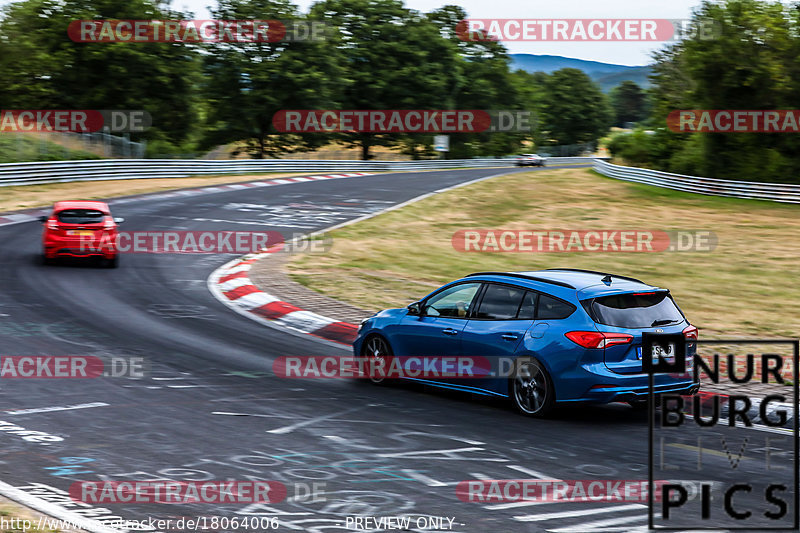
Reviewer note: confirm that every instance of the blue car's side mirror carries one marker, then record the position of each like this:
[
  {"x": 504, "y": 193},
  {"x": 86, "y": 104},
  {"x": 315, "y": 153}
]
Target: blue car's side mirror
[{"x": 414, "y": 309}]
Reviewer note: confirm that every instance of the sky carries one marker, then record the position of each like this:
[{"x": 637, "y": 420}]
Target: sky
[{"x": 624, "y": 53}]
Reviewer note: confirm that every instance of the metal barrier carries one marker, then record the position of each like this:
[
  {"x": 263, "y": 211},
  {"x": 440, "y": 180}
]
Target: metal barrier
[
  {"x": 778, "y": 192},
  {"x": 117, "y": 169}
]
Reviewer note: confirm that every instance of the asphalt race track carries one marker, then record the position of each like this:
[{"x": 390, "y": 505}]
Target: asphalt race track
[{"x": 210, "y": 408}]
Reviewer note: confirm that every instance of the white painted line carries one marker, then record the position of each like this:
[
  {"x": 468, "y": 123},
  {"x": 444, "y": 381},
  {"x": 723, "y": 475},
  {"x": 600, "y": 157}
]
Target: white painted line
[
  {"x": 423, "y": 478},
  {"x": 236, "y": 269},
  {"x": 533, "y": 473},
  {"x": 234, "y": 283},
  {"x": 514, "y": 505},
  {"x": 305, "y": 321},
  {"x": 601, "y": 525},
  {"x": 255, "y": 300},
  {"x": 19, "y": 217},
  {"x": 212, "y": 286},
  {"x": 52, "y": 409},
  {"x": 248, "y": 414},
  {"x": 281, "y": 182},
  {"x": 288, "y": 429},
  {"x": 51, "y": 509},
  {"x": 437, "y": 452},
  {"x": 573, "y": 513}
]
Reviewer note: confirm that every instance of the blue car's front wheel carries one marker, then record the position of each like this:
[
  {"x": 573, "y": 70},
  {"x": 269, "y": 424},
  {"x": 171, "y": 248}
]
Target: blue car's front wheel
[
  {"x": 377, "y": 355},
  {"x": 531, "y": 389}
]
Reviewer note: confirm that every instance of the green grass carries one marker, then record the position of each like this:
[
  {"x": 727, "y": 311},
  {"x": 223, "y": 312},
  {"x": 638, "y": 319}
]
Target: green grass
[
  {"x": 746, "y": 286},
  {"x": 19, "y": 148}
]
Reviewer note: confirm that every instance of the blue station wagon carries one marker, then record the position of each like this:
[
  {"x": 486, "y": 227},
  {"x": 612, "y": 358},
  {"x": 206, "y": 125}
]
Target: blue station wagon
[{"x": 571, "y": 335}]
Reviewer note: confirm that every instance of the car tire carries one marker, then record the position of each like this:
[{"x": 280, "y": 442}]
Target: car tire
[
  {"x": 48, "y": 261},
  {"x": 530, "y": 388},
  {"x": 111, "y": 263},
  {"x": 378, "y": 352}
]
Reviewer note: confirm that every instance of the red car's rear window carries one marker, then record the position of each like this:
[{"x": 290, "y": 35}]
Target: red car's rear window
[{"x": 80, "y": 216}]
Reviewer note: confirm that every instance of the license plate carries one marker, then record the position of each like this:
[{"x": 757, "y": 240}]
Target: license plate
[
  {"x": 80, "y": 233},
  {"x": 666, "y": 353}
]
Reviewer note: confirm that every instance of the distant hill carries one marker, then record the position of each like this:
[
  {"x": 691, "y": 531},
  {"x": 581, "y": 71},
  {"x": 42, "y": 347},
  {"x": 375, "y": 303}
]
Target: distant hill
[{"x": 607, "y": 75}]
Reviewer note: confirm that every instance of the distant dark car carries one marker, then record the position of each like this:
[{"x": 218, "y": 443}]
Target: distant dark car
[
  {"x": 571, "y": 336},
  {"x": 530, "y": 160},
  {"x": 80, "y": 229}
]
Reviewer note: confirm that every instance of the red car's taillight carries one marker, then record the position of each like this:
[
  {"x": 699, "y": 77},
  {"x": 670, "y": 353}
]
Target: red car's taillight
[
  {"x": 690, "y": 332},
  {"x": 52, "y": 224},
  {"x": 598, "y": 339}
]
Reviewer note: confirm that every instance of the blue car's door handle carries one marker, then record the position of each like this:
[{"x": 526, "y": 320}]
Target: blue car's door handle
[
  {"x": 510, "y": 336},
  {"x": 450, "y": 331}
]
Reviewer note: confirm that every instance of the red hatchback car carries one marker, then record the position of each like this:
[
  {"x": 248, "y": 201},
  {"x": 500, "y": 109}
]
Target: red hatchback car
[{"x": 80, "y": 229}]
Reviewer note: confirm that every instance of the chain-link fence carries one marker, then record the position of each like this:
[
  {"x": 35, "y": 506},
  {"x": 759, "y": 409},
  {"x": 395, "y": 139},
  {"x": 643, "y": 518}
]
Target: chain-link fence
[{"x": 56, "y": 146}]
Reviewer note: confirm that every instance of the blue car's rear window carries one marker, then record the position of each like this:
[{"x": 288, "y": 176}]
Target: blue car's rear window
[{"x": 640, "y": 310}]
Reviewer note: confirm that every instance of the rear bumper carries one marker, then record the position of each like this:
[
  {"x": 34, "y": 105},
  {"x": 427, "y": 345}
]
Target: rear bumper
[
  {"x": 638, "y": 394},
  {"x": 53, "y": 250},
  {"x": 58, "y": 246}
]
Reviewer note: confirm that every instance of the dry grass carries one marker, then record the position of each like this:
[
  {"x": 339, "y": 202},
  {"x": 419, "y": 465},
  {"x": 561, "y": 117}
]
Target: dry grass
[
  {"x": 10, "y": 510},
  {"x": 28, "y": 196},
  {"x": 746, "y": 286}
]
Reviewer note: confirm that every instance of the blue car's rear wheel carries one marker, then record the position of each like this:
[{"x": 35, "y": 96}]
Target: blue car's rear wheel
[
  {"x": 531, "y": 389},
  {"x": 377, "y": 356}
]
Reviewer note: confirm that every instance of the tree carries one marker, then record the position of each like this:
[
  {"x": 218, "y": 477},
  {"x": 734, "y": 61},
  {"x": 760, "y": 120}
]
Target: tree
[
  {"x": 247, "y": 83},
  {"x": 629, "y": 103},
  {"x": 749, "y": 61},
  {"x": 42, "y": 68},
  {"x": 394, "y": 58},
  {"x": 483, "y": 80},
  {"x": 576, "y": 109}
]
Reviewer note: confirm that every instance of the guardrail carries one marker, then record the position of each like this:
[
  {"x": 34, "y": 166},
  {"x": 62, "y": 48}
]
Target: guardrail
[
  {"x": 116, "y": 169},
  {"x": 777, "y": 192}
]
